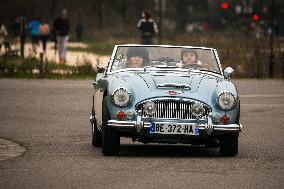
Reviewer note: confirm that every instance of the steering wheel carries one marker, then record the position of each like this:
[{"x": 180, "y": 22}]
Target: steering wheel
[{"x": 192, "y": 66}]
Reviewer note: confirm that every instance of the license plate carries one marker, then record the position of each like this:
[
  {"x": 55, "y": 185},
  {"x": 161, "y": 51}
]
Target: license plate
[{"x": 173, "y": 128}]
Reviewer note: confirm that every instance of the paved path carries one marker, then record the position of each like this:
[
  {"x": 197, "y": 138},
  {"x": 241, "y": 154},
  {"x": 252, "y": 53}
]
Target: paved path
[
  {"x": 73, "y": 57},
  {"x": 50, "y": 120}
]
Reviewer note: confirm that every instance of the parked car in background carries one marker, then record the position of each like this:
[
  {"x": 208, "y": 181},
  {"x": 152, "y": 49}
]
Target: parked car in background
[{"x": 165, "y": 94}]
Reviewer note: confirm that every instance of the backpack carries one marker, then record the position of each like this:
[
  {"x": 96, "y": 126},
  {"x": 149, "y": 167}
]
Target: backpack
[
  {"x": 147, "y": 28},
  {"x": 44, "y": 30}
]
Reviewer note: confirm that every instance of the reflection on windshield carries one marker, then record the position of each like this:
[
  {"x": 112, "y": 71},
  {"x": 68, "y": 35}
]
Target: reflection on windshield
[{"x": 161, "y": 57}]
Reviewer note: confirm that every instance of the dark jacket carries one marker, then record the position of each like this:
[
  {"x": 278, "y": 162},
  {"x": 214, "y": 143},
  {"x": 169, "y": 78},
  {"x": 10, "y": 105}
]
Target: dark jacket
[
  {"x": 61, "y": 27},
  {"x": 148, "y": 27}
]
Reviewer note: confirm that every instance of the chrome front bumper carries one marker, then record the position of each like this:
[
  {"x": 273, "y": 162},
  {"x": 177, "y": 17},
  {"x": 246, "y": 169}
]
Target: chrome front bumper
[{"x": 209, "y": 128}]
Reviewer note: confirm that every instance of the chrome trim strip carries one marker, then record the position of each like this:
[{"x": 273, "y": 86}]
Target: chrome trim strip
[
  {"x": 115, "y": 123},
  {"x": 218, "y": 61},
  {"x": 173, "y": 85},
  {"x": 131, "y": 124},
  {"x": 169, "y": 72}
]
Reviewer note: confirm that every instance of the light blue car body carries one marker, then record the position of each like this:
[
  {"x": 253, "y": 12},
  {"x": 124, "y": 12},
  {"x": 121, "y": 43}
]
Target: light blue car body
[
  {"x": 142, "y": 86},
  {"x": 204, "y": 87}
]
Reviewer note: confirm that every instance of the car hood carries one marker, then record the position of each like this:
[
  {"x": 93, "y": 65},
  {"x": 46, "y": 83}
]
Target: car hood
[{"x": 148, "y": 85}]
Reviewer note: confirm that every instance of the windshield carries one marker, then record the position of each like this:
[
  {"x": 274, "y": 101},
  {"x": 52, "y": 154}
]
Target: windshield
[{"x": 138, "y": 57}]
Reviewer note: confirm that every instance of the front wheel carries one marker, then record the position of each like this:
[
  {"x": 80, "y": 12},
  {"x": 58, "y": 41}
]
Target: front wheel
[
  {"x": 111, "y": 138},
  {"x": 229, "y": 144}
]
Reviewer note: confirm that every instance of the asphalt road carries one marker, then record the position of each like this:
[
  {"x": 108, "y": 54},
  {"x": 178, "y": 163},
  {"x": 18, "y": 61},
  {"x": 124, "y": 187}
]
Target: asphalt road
[{"x": 51, "y": 120}]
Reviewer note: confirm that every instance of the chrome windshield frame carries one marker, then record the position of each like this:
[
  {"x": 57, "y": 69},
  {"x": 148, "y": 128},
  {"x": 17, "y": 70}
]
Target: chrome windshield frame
[{"x": 214, "y": 51}]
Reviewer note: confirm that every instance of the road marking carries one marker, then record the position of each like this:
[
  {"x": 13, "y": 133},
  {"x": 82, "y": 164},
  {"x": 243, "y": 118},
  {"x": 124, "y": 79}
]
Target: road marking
[
  {"x": 263, "y": 105},
  {"x": 10, "y": 149},
  {"x": 261, "y": 96}
]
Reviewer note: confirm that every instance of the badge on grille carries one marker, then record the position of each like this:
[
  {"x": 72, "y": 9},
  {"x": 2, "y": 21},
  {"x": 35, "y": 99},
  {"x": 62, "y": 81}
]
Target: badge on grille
[{"x": 173, "y": 92}]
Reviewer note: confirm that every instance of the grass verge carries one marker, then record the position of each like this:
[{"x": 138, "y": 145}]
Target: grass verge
[{"x": 15, "y": 67}]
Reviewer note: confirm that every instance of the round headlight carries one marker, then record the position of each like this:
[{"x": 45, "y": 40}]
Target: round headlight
[
  {"x": 150, "y": 108},
  {"x": 226, "y": 100},
  {"x": 197, "y": 110},
  {"x": 121, "y": 97}
]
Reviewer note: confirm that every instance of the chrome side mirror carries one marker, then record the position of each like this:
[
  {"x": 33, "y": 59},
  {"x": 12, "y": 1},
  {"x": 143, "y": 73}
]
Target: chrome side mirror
[
  {"x": 95, "y": 84},
  {"x": 228, "y": 72}
]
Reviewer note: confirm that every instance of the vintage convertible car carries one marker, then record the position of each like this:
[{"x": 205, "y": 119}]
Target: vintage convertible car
[{"x": 154, "y": 94}]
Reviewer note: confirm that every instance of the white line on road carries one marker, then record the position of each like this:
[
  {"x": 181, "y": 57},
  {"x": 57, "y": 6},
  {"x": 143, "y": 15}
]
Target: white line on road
[
  {"x": 260, "y": 96},
  {"x": 263, "y": 105}
]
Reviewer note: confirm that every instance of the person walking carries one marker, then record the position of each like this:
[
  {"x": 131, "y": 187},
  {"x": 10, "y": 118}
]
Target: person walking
[
  {"x": 148, "y": 28},
  {"x": 16, "y": 31},
  {"x": 44, "y": 31},
  {"x": 34, "y": 30},
  {"x": 79, "y": 31},
  {"x": 61, "y": 27},
  {"x": 3, "y": 35}
]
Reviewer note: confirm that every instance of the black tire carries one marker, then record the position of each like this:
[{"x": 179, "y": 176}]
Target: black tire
[
  {"x": 239, "y": 114},
  {"x": 96, "y": 134},
  {"x": 111, "y": 138},
  {"x": 229, "y": 144},
  {"x": 212, "y": 143}
]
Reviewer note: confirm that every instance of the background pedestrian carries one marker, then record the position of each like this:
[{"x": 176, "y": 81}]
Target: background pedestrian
[
  {"x": 3, "y": 35},
  {"x": 61, "y": 27},
  {"x": 148, "y": 28},
  {"x": 79, "y": 31},
  {"x": 34, "y": 31},
  {"x": 16, "y": 31},
  {"x": 44, "y": 31}
]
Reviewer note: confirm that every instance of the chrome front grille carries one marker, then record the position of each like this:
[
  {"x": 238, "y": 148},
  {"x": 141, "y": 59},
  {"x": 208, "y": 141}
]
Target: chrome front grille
[{"x": 173, "y": 108}]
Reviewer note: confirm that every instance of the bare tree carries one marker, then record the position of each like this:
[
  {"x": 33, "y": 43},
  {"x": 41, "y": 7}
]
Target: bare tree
[
  {"x": 121, "y": 7},
  {"x": 181, "y": 14},
  {"x": 98, "y": 8},
  {"x": 53, "y": 5}
]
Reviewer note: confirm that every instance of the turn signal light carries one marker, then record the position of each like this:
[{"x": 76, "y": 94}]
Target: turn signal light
[
  {"x": 225, "y": 118},
  {"x": 120, "y": 115}
]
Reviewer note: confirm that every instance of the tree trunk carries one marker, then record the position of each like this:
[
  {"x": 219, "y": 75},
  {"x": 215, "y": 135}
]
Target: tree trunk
[{"x": 182, "y": 14}]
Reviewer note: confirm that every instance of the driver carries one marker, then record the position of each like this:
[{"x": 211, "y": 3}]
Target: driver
[
  {"x": 137, "y": 57},
  {"x": 189, "y": 59}
]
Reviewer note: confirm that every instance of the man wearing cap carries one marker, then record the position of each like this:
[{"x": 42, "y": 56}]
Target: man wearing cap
[{"x": 61, "y": 27}]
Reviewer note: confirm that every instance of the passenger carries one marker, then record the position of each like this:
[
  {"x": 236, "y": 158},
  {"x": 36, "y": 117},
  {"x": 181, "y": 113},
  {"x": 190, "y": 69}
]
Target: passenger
[{"x": 137, "y": 57}]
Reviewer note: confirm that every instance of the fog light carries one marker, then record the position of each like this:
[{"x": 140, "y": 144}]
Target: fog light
[
  {"x": 129, "y": 115},
  {"x": 225, "y": 118},
  {"x": 197, "y": 110},
  {"x": 120, "y": 115}
]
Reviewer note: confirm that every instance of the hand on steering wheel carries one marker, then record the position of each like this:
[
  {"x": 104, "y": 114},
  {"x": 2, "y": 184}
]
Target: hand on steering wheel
[{"x": 192, "y": 66}]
